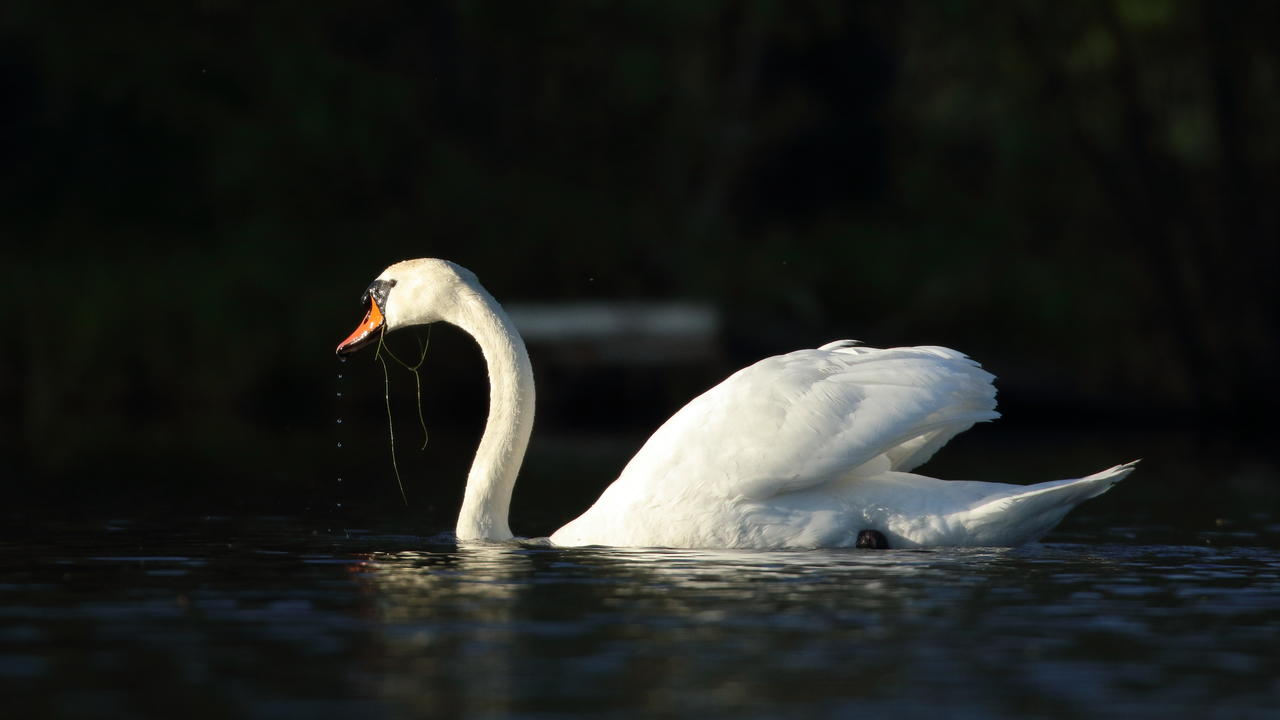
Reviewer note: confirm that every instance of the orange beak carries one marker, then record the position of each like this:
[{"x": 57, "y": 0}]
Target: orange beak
[{"x": 365, "y": 333}]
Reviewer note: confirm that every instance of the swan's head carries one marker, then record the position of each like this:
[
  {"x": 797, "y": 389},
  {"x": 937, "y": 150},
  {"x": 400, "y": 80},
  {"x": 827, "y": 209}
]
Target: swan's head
[{"x": 411, "y": 292}]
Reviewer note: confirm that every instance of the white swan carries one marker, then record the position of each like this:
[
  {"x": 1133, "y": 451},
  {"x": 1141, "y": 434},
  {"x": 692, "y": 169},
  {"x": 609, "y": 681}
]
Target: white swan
[{"x": 808, "y": 449}]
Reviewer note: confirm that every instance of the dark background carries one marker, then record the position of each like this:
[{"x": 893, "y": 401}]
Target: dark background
[{"x": 1080, "y": 195}]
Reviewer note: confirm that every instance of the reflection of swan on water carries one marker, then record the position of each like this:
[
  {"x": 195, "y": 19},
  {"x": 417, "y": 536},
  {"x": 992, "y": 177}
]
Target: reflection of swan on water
[
  {"x": 808, "y": 449},
  {"x": 454, "y": 615},
  {"x": 477, "y": 570}
]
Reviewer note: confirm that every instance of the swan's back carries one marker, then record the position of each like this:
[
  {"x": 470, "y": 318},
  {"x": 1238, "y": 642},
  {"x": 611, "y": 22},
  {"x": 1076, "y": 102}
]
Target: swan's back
[{"x": 787, "y": 427}]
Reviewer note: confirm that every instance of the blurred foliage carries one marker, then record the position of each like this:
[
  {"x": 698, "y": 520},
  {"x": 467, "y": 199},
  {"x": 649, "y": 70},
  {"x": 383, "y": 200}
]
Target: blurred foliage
[{"x": 1082, "y": 195}]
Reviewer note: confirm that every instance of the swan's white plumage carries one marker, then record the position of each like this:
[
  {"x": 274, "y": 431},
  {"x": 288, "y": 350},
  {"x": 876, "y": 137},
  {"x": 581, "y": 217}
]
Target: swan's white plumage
[
  {"x": 791, "y": 425},
  {"x": 805, "y": 449}
]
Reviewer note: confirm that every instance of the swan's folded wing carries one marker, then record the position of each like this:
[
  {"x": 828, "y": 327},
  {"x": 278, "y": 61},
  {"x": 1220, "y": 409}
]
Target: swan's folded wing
[{"x": 799, "y": 420}]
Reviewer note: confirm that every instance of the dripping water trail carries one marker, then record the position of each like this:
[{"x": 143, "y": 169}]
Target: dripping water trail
[{"x": 339, "y": 404}]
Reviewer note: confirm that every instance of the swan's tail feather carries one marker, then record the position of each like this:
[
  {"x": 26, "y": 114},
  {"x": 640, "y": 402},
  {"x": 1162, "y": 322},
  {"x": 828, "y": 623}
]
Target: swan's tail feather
[
  {"x": 1105, "y": 479},
  {"x": 1029, "y": 513}
]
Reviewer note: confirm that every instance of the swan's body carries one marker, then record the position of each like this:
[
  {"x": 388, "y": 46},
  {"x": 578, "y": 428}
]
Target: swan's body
[{"x": 805, "y": 449}]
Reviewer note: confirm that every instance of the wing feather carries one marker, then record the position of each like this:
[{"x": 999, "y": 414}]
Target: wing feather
[{"x": 799, "y": 420}]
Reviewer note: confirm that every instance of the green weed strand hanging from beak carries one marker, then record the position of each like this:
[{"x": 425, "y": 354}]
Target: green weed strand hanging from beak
[
  {"x": 417, "y": 377},
  {"x": 386, "y": 394},
  {"x": 391, "y": 426}
]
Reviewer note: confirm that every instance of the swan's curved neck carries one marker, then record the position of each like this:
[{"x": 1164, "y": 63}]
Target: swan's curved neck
[{"x": 487, "y": 499}]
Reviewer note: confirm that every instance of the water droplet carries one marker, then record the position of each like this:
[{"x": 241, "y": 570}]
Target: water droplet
[
  {"x": 339, "y": 394},
  {"x": 339, "y": 376},
  {"x": 339, "y": 443},
  {"x": 339, "y": 504},
  {"x": 339, "y": 479},
  {"x": 342, "y": 358},
  {"x": 339, "y": 421}
]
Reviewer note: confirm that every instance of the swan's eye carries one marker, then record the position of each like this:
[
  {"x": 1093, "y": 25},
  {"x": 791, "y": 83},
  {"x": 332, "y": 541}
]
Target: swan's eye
[{"x": 377, "y": 293}]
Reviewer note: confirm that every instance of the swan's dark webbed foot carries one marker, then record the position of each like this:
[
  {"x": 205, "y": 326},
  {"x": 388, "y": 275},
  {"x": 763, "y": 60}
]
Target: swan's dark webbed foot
[{"x": 872, "y": 539}]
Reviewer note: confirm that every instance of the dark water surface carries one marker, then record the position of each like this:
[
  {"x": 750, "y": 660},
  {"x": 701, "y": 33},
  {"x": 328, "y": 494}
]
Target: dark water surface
[{"x": 275, "y": 617}]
